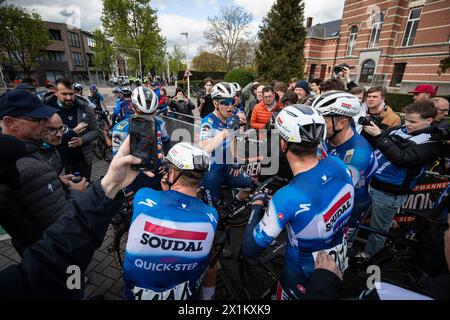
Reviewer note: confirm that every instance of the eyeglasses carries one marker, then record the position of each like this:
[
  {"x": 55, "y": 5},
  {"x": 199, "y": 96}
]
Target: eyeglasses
[
  {"x": 226, "y": 102},
  {"x": 442, "y": 110},
  {"x": 63, "y": 129},
  {"x": 40, "y": 121}
]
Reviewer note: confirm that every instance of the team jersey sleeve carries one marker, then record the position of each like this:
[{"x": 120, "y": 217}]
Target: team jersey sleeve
[
  {"x": 206, "y": 129},
  {"x": 361, "y": 162}
]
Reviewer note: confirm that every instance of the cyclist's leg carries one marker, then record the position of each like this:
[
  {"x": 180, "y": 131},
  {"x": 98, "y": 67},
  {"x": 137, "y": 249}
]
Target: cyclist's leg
[
  {"x": 291, "y": 286},
  {"x": 213, "y": 180},
  {"x": 356, "y": 217}
]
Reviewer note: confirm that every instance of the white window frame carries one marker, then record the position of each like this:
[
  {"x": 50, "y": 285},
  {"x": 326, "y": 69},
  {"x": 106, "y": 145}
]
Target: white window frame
[
  {"x": 376, "y": 30},
  {"x": 405, "y": 36},
  {"x": 352, "y": 40}
]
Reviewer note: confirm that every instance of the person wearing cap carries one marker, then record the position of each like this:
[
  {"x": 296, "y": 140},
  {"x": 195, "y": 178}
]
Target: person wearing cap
[
  {"x": 302, "y": 92},
  {"x": 41, "y": 199},
  {"x": 76, "y": 149},
  {"x": 423, "y": 92}
]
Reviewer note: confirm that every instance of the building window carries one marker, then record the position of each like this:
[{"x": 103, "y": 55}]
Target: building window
[
  {"x": 90, "y": 59},
  {"x": 352, "y": 40},
  {"x": 411, "y": 27},
  {"x": 77, "y": 59},
  {"x": 312, "y": 71},
  {"x": 74, "y": 40},
  {"x": 397, "y": 76},
  {"x": 55, "y": 56},
  {"x": 53, "y": 75},
  {"x": 55, "y": 34},
  {"x": 91, "y": 42},
  {"x": 376, "y": 30},
  {"x": 367, "y": 71}
]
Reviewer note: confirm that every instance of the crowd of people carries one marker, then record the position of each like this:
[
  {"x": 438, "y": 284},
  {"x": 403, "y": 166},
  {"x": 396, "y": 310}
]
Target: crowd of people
[{"x": 346, "y": 154}]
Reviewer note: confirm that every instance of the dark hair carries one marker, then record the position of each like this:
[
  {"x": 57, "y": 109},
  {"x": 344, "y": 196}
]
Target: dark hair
[
  {"x": 358, "y": 90},
  {"x": 65, "y": 82},
  {"x": 289, "y": 98},
  {"x": 377, "y": 89},
  {"x": 273, "y": 83},
  {"x": 303, "y": 149},
  {"x": 179, "y": 90},
  {"x": 426, "y": 109},
  {"x": 192, "y": 179},
  {"x": 267, "y": 89},
  {"x": 280, "y": 86},
  {"x": 164, "y": 90},
  {"x": 29, "y": 81},
  {"x": 317, "y": 81},
  {"x": 208, "y": 80},
  {"x": 331, "y": 84}
]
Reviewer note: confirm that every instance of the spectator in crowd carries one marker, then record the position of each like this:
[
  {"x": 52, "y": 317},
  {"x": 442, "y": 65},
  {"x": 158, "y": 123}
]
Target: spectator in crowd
[
  {"x": 263, "y": 111},
  {"x": 182, "y": 105},
  {"x": 154, "y": 86},
  {"x": 204, "y": 102},
  {"x": 292, "y": 83},
  {"x": 315, "y": 86},
  {"x": 331, "y": 84},
  {"x": 442, "y": 106},
  {"x": 376, "y": 106},
  {"x": 423, "y": 92},
  {"x": 302, "y": 91},
  {"x": 72, "y": 240},
  {"x": 360, "y": 93},
  {"x": 76, "y": 149},
  {"x": 249, "y": 94},
  {"x": 403, "y": 152},
  {"x": 50, "y": 90},
  {"x": 56, "y": 129},
  {"x": 163, "y": 100},
  {"x": 280, "y": 90},
  {"x": 254, "y": 103},
  {"x": 41, "y": 199}
]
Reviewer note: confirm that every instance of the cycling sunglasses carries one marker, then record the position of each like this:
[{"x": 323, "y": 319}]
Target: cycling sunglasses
[{"x": 226, "y": 102}]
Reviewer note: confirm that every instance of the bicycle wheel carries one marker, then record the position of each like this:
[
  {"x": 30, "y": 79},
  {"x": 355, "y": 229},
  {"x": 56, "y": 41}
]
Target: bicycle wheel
[
  {"x": 99, "y": 147},
  {"x": 118, "y": 245}
]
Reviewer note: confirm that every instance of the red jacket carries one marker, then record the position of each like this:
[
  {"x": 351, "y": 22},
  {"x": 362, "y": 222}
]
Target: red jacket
[{"x": 260, "y": 115}]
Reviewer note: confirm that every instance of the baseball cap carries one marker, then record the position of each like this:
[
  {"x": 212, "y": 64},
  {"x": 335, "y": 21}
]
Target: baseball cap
[
  {"x": 424, "y": 88},
  {"x": 19, "y": 103}
]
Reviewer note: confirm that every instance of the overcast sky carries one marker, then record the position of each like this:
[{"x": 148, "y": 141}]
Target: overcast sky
[{"x": 174, "y": 16}]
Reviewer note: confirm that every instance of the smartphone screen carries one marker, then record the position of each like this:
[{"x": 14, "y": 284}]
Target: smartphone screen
[{"x": 143, "y": 142}]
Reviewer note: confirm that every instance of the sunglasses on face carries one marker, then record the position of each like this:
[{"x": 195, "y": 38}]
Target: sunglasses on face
[
  {"x": 63, "y": 129},
  {"x": 226, "y": 102}
]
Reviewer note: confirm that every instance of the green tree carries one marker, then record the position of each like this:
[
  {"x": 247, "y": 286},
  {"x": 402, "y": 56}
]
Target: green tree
[
  {"x": 104, "y": 53},
  {"x": 282, "y": 41},
  {"x": 24, "y": 36},
  {"x": 241, "y": 76},
  {"x": 206, "y": 61},
  {"x": 444, "y": 65},
  {"x": 177, "y": 59},
  {"x": 133, "y": 24},
  {"x": 226, "y": 30}
]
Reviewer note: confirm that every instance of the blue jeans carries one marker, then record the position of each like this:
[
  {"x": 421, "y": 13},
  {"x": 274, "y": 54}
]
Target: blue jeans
[
  {"x": 214, "y": 179},
  {"x": 384, "y": 207}
]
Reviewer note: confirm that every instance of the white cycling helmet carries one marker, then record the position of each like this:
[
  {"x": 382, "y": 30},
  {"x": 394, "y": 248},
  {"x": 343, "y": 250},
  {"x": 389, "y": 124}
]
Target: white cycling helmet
[
  {"x": 337, "y": 103},
  {"x": 223, "y": 90},
  {"x": 237, "y": 87},
  {"x": 144, "y": 99},
  {"x": 300, "y": 123},
  {"x": 186, "y": 156}
]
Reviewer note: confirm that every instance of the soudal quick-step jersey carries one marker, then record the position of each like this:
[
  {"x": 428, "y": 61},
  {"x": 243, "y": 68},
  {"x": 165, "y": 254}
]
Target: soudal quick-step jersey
[
  {"x": 314, "y": 208},
  {"x": 212, "y": 126},
  {"x": 168, "y": 246},
  {"x": 358, "y": 156}
]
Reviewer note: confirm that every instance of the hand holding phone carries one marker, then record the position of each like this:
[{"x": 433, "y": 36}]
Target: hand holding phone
[{"x": 143, "y": 142}]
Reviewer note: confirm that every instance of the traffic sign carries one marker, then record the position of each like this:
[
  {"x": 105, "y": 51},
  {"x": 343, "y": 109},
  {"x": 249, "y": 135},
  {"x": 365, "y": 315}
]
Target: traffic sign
[{"x": 187, "y": 73}]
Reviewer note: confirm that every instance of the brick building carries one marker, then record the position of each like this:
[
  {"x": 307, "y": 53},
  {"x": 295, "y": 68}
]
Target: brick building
[
  {"x": 70, "y": 54},
  {"x": 395, "y": 43}
]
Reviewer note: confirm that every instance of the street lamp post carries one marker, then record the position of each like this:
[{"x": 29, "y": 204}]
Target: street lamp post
[{"x": 187, "y": 64}]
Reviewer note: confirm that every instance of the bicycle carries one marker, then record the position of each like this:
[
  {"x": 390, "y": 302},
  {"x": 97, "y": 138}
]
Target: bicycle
[
  {"x": 410, "y": 252},
  {"x": 103, "y": 144}
]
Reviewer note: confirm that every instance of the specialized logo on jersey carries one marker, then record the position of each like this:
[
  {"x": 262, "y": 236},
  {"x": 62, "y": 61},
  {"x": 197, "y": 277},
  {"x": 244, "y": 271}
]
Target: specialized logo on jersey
[{"x": 337, "y": 210}]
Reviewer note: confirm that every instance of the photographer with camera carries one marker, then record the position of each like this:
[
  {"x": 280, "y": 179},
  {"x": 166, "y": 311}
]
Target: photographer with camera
[
  {"x": 402, "y": 154},
  {"x": 342, "y": 72},
  {"x": 378, "y": 112}
]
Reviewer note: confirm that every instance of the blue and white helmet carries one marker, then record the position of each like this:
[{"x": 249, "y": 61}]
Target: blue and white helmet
[
  {"x": 300, "y": 123},
  {"x": 144, "y": 99},
  {"x": 186, "y": 156}
]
